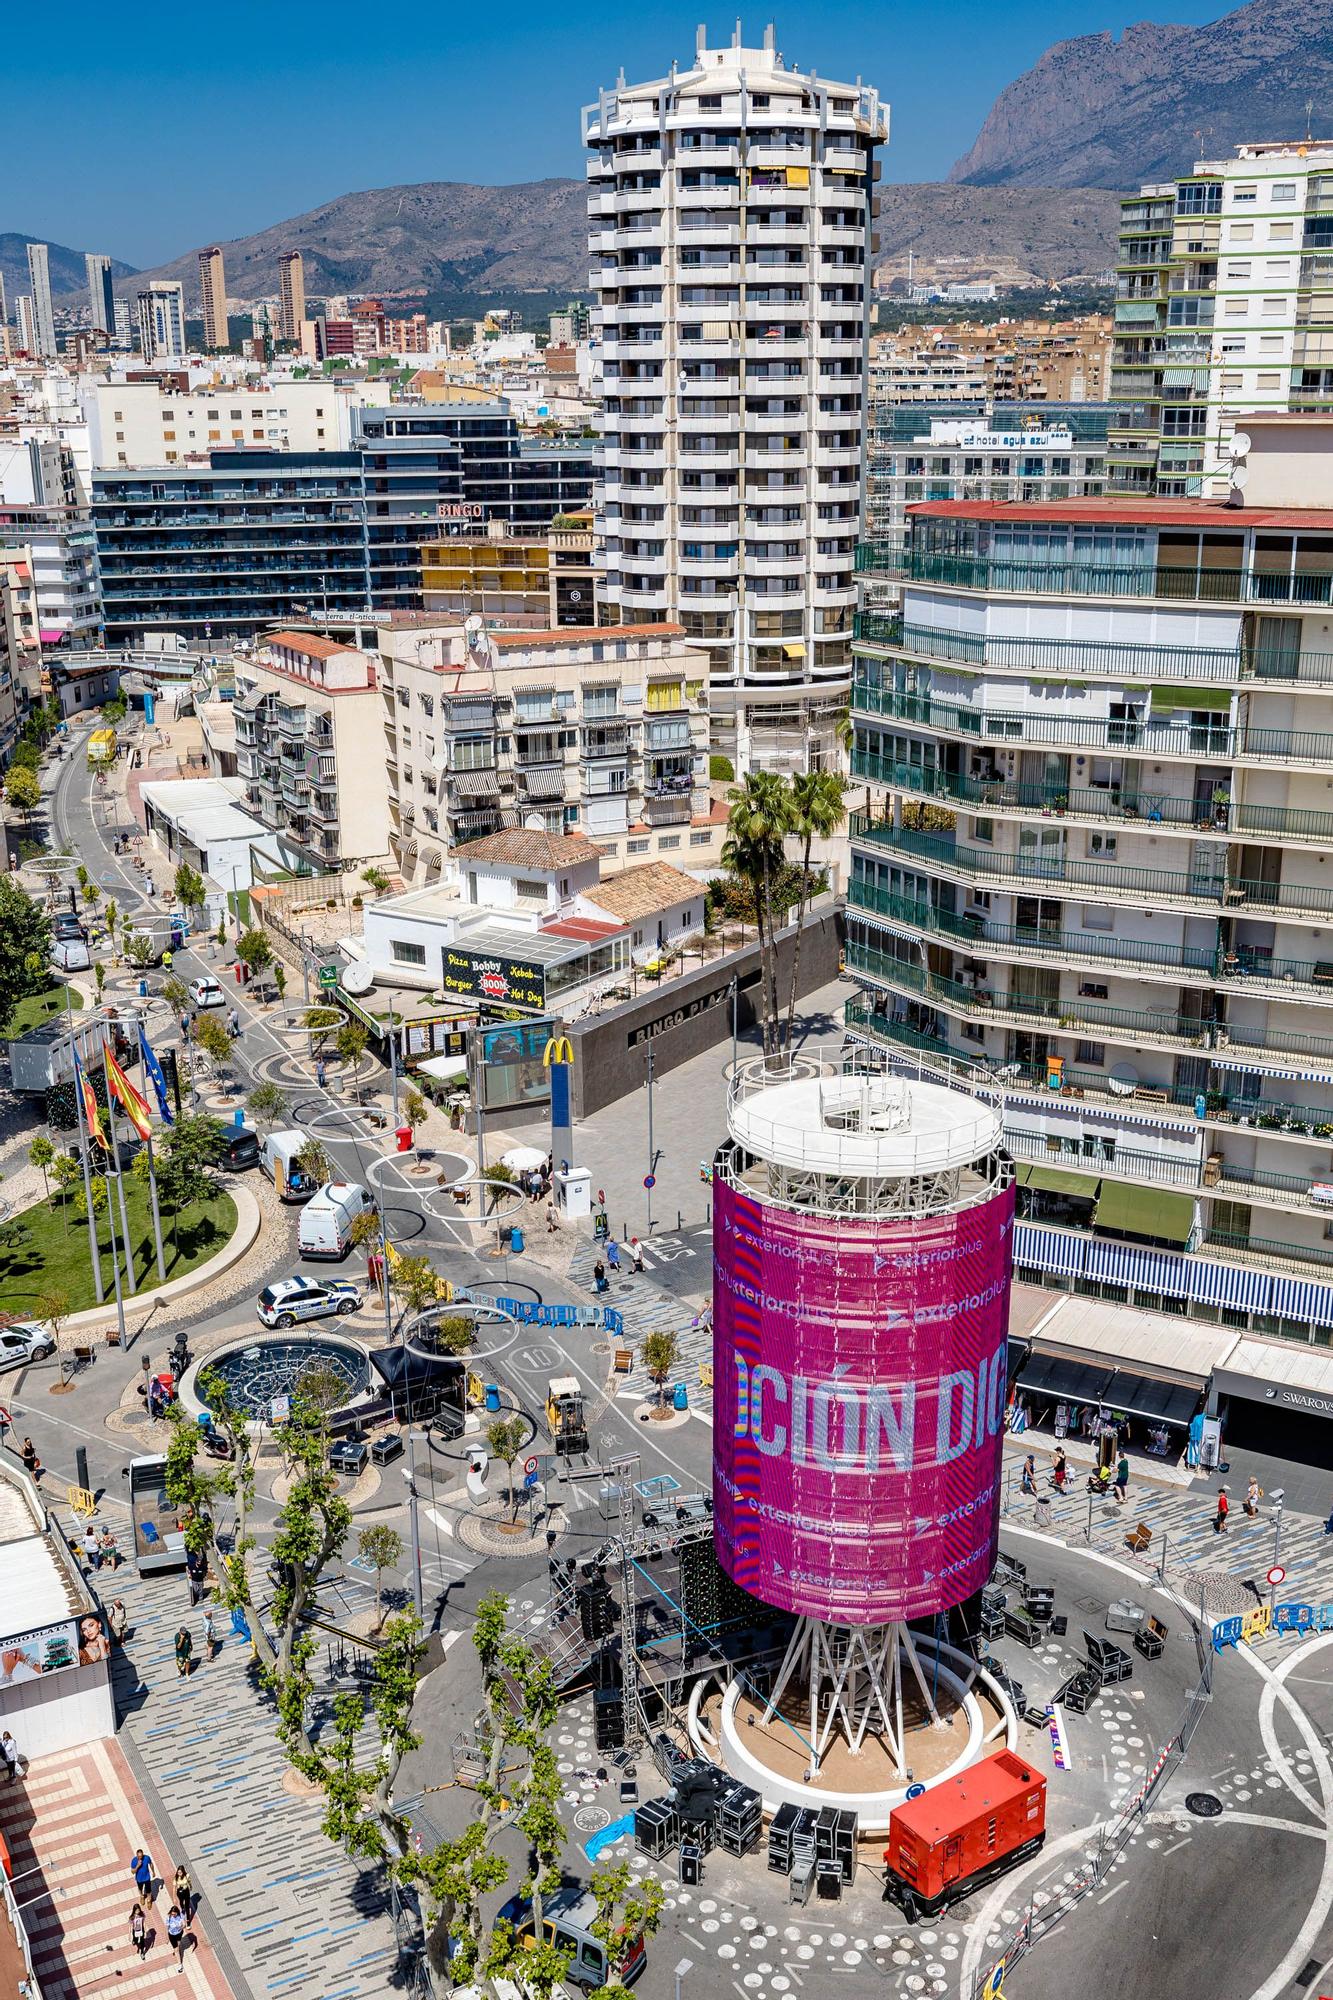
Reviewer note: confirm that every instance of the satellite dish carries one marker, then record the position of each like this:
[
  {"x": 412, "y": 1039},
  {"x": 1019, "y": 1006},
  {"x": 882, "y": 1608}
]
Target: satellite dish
[
  {"x": 357, "y": 978},
  {"x": 534, "y": 823},
  {"x": 473, "y": 622},
  {"x": 1240, "y": 477},
  {"x": 1240, "y": 443}
]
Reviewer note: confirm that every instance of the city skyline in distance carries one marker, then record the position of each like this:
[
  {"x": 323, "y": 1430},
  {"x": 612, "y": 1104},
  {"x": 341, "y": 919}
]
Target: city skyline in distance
[{"x": 241, "y": 126}]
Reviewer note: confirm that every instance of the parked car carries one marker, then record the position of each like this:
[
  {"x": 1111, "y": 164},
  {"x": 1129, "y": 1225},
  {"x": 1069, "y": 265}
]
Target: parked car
[
  {"x": 327, "y": 1218},
  {"x": 207, "y": 993},
  {"x": 25, "y": 1340},
  {"x": 240, "y": 1148},
  {"x": 292, "y": 1299},
  {"x": 349, "y": 1455}
]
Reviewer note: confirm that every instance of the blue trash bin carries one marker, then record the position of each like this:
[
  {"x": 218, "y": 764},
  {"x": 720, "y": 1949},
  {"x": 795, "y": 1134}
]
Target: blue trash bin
[
  {"x": 143, "y": 989},
  {"x": 492, "y": 1397},
  {"x": 680, "y": 1397},
  {"x": 516, "y": 1239},
  {"x": 238, "y": 1118}
]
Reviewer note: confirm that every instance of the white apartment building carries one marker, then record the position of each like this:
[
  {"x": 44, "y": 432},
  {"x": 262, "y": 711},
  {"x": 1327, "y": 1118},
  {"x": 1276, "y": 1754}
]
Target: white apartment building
[
  {"x": 144, "y": 423},
  {"x": 43, "y": 318},
  {"x": 307, "y": 723},
  {"x": 601, "y": 732},
  {"x": 1098, "y": 749},
  {"x": 729, "y": 215},
  {"x": 162, "y": 322},
  {"x": 54, "y": 551},
  {"x": 978, "y": 458}
]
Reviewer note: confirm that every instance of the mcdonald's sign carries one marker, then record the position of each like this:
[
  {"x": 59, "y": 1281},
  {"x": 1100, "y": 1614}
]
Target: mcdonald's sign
[{"x": 559, "y": 1050}]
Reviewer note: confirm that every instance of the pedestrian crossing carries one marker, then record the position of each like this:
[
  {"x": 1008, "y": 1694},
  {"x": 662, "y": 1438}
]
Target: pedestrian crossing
[{"x": 646, "y": 1308}]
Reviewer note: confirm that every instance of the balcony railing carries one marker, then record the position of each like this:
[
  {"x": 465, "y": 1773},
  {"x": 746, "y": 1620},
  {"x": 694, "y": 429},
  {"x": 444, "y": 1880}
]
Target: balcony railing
[
  {"x": 1179, "y": 582},
  {"x": 1141, "y": 884},
  {"x": 1218, "y": 665},
  {"x": 1115, "y": 805}
]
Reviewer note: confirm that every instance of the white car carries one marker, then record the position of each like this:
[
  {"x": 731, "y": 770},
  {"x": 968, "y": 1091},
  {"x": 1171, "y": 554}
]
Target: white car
[
  {"x": 207, "y": 993},
  {"x": 25, "y": 1340},
  {"x": 291, "y": 1299}
]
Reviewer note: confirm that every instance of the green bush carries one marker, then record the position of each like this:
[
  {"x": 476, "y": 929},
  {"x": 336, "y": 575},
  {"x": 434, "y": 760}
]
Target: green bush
[{"x": 721, "y": 769}]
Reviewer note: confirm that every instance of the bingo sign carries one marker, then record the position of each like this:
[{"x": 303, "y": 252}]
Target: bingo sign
[
  {"x": 859, "y": 1381},
  {"x": 493, "y": 979}
]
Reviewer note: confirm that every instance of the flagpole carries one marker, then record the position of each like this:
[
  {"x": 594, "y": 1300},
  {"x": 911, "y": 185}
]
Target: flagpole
[
  {"x": 130, "y": 1285},
  {"x": 85, "y": 1148},
  {"x": 115, "y": 1253},
  {"x": 153, "y": 1074},
  {"x": 157, "y": 1219}
]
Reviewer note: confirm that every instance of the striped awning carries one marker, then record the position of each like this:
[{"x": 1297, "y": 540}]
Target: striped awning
[
  {"x": 543, "y": 781},
  {"x": 475, "y": 784},
  {"x": 1243, "y": 1068},
  {"x": 877, "y": 923},
  {"x": 1298, "y": 1298}
]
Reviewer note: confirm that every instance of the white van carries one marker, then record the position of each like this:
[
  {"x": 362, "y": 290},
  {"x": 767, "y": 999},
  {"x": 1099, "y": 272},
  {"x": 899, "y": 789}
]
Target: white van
[
  {"x": 277, "y": 1157},
  {"x": 327, "y": 1218}
]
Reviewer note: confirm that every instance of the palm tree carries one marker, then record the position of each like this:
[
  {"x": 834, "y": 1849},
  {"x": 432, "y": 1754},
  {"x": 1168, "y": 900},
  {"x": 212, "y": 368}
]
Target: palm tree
[
  {"x": 761, "y": 817},
  {"x": 817, "y": 813}
]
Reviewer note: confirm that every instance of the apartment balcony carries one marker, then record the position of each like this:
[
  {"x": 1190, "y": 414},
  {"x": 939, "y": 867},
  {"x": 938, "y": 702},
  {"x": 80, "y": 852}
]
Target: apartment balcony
[
  {"x": 1192, "y": 583},
  {"x": 1091, "y": 881},
  {"x": 667, "y": 810},
  {"x": 605, "y": 740},
  {"x": 1078, "y": 658},
  {"x": 1220, "y": 1177},
  {"x": 1164, "y": 1027},
  {"x": 1120, "y": 805},
  {"x": 324, "y": 807}
]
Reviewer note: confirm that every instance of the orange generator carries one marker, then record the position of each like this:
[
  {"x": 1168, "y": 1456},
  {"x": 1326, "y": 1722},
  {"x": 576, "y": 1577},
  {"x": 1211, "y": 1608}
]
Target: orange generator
[{"x": 962, "y": 1833}]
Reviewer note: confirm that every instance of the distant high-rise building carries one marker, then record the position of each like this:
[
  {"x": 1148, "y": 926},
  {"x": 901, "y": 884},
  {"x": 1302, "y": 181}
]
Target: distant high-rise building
[
  {"x": 101, "y": 298},
  {"x": 25, "y": 325},
  {"x": 729, "y": 211},
  {"x": 213, "y": 285},
  {"x": 162, "y": 321},
  {"x": 291, "y": 286},
  {"x": 124, "y": 324},
  {"x": 43, "y": 319}
]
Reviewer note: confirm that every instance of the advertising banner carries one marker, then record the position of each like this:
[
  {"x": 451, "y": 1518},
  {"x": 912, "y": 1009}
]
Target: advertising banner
[
  {"x": 52, "y": 1649},
  {"x": 859, "y": 1372},
  {"x": 493, "y": 978}
]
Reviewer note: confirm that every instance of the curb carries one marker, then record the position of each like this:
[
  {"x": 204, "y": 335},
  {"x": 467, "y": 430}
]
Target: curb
[{"x": 242, "y": 1241}]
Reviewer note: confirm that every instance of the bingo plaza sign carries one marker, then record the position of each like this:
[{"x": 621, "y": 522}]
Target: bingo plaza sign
[{"x": 493, "y": 979}]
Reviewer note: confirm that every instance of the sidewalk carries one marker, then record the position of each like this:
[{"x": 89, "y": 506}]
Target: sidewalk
[{"x": 71, "y": 1828}]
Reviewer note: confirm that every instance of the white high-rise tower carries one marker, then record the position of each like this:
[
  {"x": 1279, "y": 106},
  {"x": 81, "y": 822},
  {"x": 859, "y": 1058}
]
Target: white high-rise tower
[
  {"x": 43, "y": 319},
  {"x": 729, "y": 226}
]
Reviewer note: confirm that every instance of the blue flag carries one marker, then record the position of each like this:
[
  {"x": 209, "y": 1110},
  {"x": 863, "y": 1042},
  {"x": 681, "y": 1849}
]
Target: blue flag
[{"x": 153, "y": 1071}]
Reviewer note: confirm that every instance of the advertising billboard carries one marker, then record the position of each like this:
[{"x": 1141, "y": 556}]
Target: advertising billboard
[
  {"x": 859, "y": 1372},
  {"x": 494, "y": 979},
  {"x": 52, "y": 1649}
]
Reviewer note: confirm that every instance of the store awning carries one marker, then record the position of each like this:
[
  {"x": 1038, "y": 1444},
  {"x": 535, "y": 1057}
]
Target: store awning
[
  {"x": 1057, "y": 1180},
  {"x": 1136, "y": 1210},
  {"x": 1166, "y": 700},
  {"x": 1141, "y": 1396},
  {"x": 1065, "y": 1381}
]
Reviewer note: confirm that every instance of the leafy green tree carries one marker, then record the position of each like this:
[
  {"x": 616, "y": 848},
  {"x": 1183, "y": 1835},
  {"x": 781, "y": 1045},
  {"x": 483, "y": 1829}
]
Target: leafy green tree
[
  {"x": 661, "y": 1351},
  {"x": 41, "y": 1154},
  {"x": 187, "y": 1159},
  {"x": 505, "y": 1439},
  {"x": 268, "y": 1104},
  {"x": 376, "y": 879},
  {"x": 99, "y": 974},
  {"x": 176, "y": 993},
  {"x": 351, "y": 1046},
  {"x": 254, "y": 950},
  {"x": 91, "y": 893},
  {"x": 213, "y": 1039},
  {"x": 415, "y": 1110},
  {"x": 761, "y": 818},
  {"x": 23, "y": 790},
  {"x": 280, "y": 979},
  {"x": 315, "y": 1161},
  {"x": 188, "y": 885},
  {"x": 490, "y": 1622},
  {"x": 382, "y": 1547},
  {"x": 139, "y": 950},
  {"x": 313, "y": 1524},
  {"x": 416, "y": 1282},
  {"x": 320, "y": 1021},
  {"x": 454, "y": 1334},
  {"x": 25, "y": 937},
  {"x": 229, "y": 1421},
  {"x": 626, "y": 1910},
  {"x": 193, "y": 1486},
  {"x": 68, "y": 1176},
  {"x": 111, "y": 917},
  {"x": 817, "y": 813}
]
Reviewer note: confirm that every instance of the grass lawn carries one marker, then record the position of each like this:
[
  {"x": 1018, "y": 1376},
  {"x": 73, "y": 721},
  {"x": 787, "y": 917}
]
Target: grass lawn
[
  {"x": 39, "y": 1007},
  {"x": 46, "y": 1250}
]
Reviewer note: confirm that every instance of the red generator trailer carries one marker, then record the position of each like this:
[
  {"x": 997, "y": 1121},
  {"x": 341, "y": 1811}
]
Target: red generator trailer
[{"x": 962, "y": 1833}]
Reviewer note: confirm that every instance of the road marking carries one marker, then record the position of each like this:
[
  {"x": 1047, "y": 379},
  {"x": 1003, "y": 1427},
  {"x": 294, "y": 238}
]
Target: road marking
[{"x": 1114, "y": 1892}]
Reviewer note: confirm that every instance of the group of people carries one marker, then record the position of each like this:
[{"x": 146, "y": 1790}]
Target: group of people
[
  {"x": 101, "y": 1548},
  {"x": 602, "y": 1273},
  {"x": 536, "y": 1181},
  {"x": 1110, "y": 1479},
  {"x": 183, "y": 1905}
]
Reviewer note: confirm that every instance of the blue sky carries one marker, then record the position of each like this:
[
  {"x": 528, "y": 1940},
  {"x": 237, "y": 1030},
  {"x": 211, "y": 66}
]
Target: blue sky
[{"x": 146, "y": 134}]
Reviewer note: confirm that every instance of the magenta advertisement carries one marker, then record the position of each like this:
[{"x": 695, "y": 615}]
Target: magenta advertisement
[{"x": 859, "y": 1373}]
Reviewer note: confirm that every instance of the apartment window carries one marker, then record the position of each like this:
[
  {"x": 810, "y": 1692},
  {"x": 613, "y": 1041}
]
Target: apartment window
[
  {"x": 1233, "y": 344},
  {"x": 1233, "y": 379},
  {"x": 1272, "y": 307},
  {"x": 1270, "y": 378},
  {"x": 169, "y": 436},
  {"x": 1270, "y": 343},
  {"x": 983, "y": 829},
  {"x": 1235, "y": 271},
  {"x": 1103, "y": 846},
  {"x": 1284, "y": 190},
  {"x": 1242, "y": 195},
  {"x": 1090, "y": 1052},
  {"x": 404, "y": 952},
  {"x": 1242, "y": 232},
  {"x": 529, "y": 891},
  {"x": 700, "y": 839},
  {"x": 1236, "y": 308},
  {"x": 1097, "y": 917},
  {"x": 636, "y": 847},
  {"x": 1282, "y": 232},
  {"x": 667, "y": 841}
]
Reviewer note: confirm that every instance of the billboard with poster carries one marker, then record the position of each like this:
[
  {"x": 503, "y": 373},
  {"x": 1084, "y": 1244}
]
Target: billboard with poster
[
  {"x": 493, "y": 978},
  {"x": 52, "y": 1649},
  {"x": 859, "y": 1370}
]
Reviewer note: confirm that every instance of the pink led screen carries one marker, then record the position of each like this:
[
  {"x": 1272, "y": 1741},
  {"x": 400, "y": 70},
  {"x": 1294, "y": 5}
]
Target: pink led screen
[{"x": 859, "y": 1397}]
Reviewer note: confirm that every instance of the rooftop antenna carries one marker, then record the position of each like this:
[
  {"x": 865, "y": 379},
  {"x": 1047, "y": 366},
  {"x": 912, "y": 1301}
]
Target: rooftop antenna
[
  {"x": 736, "y": 38},
  {"x": 1201, "y": 133},
  {"x": 701, "y": 38},
  {"x": 770, "y": 38},
  {"x": 1309, "y": 120}
]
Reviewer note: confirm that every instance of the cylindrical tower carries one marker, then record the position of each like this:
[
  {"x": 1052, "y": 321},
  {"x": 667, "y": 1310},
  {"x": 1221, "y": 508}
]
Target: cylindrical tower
[{"x": 862, "y": 1257}]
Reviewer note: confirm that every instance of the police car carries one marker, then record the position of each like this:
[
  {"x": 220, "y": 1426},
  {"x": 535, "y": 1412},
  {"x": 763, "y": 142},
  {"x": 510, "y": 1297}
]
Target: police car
[{"x": 306, "y": 1298}]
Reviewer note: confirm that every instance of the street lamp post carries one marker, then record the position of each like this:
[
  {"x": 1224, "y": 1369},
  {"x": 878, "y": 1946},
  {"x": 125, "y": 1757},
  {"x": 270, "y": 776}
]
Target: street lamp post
[
  {"x": 1277, "y": 1496},
  {"x": 683, "y": 1966}
]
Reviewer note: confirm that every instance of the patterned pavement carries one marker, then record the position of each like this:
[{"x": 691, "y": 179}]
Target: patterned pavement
[
  {"x": 71, "y": 1828},
  {"x": 646, "y": 1308},
  {"x": 299, "y": 1920}
]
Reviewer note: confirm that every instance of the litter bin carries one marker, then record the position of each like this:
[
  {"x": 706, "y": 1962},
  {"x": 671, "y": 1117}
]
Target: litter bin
[
  {"x": 238, "y": 1118},
  {"x": 516, "y": 1239},
  {"x": 680, "y": 1397},
  {"x": 1041, "y": 1513},
  {"x": 492, "y": 1398},
  {"x": 404, "y": 1133}
]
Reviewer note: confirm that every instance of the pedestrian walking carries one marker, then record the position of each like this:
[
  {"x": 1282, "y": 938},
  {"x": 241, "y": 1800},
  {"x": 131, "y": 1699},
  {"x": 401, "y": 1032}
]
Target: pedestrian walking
[
  {"x": 142, "y": 1870},
  {"x": 92, "y": 1548},
  {"x": 139, "y": 1929},
  {"x": 110, "y": 1549},
  {"x": 636, "y": 1252},
  {"x": 182, "y": 1888},
  {"x": 1254, "y": 1493},
  {"x": 234, "y": 1023},
  {"x": 178, "y": 1932},
  {"x": 599, "y": 1276},
  {"x": 1060, "y": 1470},
  {"x": 613, "y": 1256},
  {"x": 210, "y": 1635},
  {"x": 320, "y": 1072},
  {"x": 551, "y": 1223},
  {"x": 119, "y": 1621},
  {"x": 9, "y": 1752},
  {"x": 32, "y": 1465},
  {"x": 184, "y": 1651},
  {"x": 1122, "y": 1479},
  {"x": 196, "y": 1569},
  {"x": 1223, "y": 1509},
  {"x": 1029, "y": 1474}
]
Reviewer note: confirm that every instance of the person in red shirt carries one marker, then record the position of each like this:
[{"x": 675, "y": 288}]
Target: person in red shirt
[{"x": 1223, "y": 1509}]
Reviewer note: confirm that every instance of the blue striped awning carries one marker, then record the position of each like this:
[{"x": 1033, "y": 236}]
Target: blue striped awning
[
  {"x": 1133, "y": 1264},
  {"x": 1260, "y": 1069},
  {"x": 1059, "y": 1251},
  {"x": 1297, "y": 1298},
  {"x": 1229, "y": 1285}
]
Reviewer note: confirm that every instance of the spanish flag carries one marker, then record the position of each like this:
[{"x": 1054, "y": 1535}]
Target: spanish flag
[
  {"x": 120, "y": 1087},
  {"x": 92, "y": 1110}
]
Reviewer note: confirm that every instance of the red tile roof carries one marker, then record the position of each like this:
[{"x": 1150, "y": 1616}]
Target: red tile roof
[
  {"x": 579, "y": 635},
  {"x": 1200, "y": 514},
  {"x": 308, "y": 643}
]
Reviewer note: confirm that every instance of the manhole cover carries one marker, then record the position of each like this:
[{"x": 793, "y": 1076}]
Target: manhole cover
[
  {"x": 591, "y": 1819},
  {"x": 1204, "y": 1805}
]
